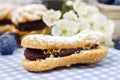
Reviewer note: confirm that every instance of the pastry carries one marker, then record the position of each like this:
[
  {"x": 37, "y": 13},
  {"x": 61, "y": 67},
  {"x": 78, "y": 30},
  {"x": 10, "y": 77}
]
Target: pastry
[
  {"x": 45, "y": 52},
  {"x": 5, "y": 17},
  {"x": 22, "y": 34},
  {"x": 28, "y": 18}
]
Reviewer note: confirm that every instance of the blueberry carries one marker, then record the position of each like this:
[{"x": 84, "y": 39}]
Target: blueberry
[
  {"x": 116, "y": 2},
  {"x": 7, "y": 44},
  {"x": 16, "y": 36},
  {"x": 106, "y": 1},
  {"x": 117, "y": 43}
]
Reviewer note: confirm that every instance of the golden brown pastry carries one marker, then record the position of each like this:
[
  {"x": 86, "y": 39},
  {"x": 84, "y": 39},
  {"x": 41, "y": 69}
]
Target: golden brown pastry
[
  {"x": 45, "y": 52},
  {"x": 5, "y": 17},
  {"x": 28, "y": 19},
  {"x": 22, "y": 34}
]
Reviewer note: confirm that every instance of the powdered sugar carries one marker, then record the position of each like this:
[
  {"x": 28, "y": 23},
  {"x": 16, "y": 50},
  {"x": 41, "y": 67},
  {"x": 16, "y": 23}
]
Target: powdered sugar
[
  {"x": 5, "y": 11},
  {"x": 28, "y": 13},
  {"x": 94, "y": 35},
  {"x": 85, "y": 36},
  {"x": 52, "y": 39}
]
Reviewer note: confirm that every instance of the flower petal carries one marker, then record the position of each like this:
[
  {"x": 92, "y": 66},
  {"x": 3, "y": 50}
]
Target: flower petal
[
  {"x": 66, "y": 27},
  {"x": 51, "y": 16},
  {"x": 70, "y": 16},
  {"x": 83, "y": 24}
]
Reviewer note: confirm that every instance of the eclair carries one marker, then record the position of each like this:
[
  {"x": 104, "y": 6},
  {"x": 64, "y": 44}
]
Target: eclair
[
  {"x": 28, "y": 20},
  {"x": 46, "y": 52}
]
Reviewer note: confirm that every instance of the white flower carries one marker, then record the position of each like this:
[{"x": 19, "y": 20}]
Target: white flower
[
  {"x": 83, "y": 24},
  {"x": 87, "y": 11},
  {"x": 77, "y": 5},
  {"x": 50, "y": 17},
  {"x": 69, "y": 3},
  {"x": 109, "y": 34},
  {"x": 70, "y": 16},
  {"x": 82, "y": 17},
  {"x": 111, "y": 26},
  {"x": 102, "y": 24},
  {"x": 84, "y": 10},
  {"x": 65, "y": 28},
  {"x": 109, "y": 41},
  {"x": 98, "y": 17}
]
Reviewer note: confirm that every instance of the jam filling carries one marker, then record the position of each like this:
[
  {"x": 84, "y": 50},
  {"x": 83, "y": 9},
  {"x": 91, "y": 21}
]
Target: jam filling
[
  {"x": 34, "y": 54},
  {"x": 30, "y": 26},
  {"x": 5, "y": 22}
]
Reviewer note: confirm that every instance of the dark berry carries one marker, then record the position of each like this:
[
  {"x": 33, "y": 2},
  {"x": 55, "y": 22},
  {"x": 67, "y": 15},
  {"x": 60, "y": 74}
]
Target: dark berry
[
  {"x": 7, "y": 44},
  {"x": 117, "y": 43},
  {"x": 116, "y": 2},
  {"x": 16, "y": 36},
  {"x": 106, "y": 1}
]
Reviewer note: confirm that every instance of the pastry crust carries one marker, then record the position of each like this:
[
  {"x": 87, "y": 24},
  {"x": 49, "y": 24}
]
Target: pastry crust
[
  {"x": 7, "y": 28},
  {"x": 86, "y": 57},
  {"x": 6, "y": 11},
  {"x": 86, "y": 38},
  {"x": 26, "y": 13},
  {"x": 22, "y": 34}
]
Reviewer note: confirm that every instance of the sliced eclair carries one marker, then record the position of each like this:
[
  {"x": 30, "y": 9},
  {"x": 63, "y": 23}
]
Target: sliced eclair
[{"x": 45, "y": 52}]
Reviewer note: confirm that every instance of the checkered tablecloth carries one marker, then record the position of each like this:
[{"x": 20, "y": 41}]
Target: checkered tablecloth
[{"x": 106, "y": 69}]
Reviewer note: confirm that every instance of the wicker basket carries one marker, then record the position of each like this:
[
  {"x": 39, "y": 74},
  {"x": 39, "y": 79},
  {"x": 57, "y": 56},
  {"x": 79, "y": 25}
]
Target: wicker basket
[{"x": 112, "y": 12}]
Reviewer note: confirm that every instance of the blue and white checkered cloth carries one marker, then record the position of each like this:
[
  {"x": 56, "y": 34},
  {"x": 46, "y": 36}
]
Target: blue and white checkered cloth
[{"x": 106, "y": 69}]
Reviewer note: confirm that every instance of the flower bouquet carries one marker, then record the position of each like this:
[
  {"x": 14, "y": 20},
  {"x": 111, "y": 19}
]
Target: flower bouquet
[{"x": 78, "y": 17}]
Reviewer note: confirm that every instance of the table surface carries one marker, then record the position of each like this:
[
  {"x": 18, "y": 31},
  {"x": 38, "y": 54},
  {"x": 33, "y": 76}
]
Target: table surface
[{"x": 106, "y": 69}]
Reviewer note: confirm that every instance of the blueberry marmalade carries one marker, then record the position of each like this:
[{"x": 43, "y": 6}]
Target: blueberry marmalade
[
  {"x": 5, "y": 22},
  {"x": 34, "y": 54},
  {"x": 31, "y": 25}
]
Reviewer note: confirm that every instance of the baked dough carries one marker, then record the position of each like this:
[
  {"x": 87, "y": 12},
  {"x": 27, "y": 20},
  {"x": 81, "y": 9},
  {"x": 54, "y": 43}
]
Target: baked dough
[
  {"x": 27, "y": 13},
  {"x": 7, "y": 28},
  {"x": 84, "y": 39},
  {"x": 22, "y": 34},
  {"x": 86, "y": 57},
  {"x": 6, "y": 11}
]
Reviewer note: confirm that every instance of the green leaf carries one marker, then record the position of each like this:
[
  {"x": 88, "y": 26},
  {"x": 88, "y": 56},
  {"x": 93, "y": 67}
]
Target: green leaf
[{"x": 64, "y": 9}]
